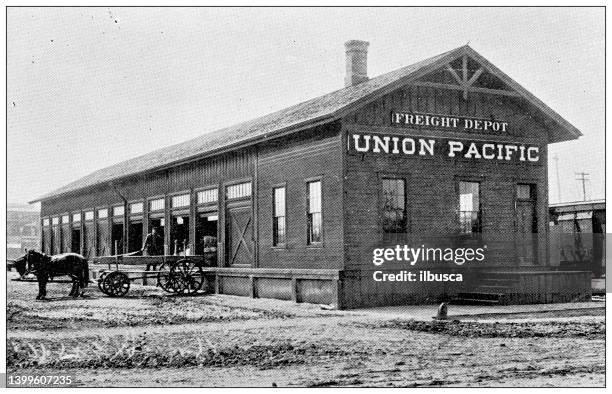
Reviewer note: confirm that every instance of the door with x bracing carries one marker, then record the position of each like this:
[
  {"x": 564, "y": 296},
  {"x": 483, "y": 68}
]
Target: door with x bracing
[{"x": 239, "y": 233}]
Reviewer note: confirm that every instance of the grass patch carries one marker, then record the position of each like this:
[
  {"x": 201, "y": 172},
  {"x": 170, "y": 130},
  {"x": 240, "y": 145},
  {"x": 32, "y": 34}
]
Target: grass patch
[
  {"x": 586, "y": 330},
  {"x": 153, "y": 310},
  {"x": 140, "y": 352}
]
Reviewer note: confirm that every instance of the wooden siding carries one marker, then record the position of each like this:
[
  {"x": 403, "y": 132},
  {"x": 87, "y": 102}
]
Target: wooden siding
[
  {"x": 450, "y": 102},
  {"x": 432, "y": 198},
  {"x": 185, "y": 178},
  {"x": 198, "y": 174},
  {"x": 292, "y": 162}
]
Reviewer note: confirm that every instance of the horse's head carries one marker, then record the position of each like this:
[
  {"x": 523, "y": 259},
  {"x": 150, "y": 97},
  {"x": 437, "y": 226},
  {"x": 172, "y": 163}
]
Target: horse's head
[
  {"x": 21, "y": 265},
  {"x": 34, "y": 261}
]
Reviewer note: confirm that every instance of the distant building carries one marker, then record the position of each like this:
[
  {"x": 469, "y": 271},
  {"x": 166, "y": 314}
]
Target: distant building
[
  {"x": 22, "y": 229},
  {"x": 579, "y": 228}
]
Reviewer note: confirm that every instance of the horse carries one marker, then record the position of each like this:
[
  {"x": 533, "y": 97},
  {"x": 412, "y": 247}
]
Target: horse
[
  {"x": 21, "y": 266},
  {"x": 46, "y": 267}
]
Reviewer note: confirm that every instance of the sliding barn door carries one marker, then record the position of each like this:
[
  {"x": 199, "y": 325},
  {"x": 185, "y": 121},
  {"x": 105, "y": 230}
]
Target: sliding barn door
[{"x": 239, "y": 234}]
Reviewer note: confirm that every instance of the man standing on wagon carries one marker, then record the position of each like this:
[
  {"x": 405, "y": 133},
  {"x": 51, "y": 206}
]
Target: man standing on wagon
[{"x": 154, "y": 244}]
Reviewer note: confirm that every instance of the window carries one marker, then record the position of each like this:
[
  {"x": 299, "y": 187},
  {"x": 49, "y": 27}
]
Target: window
[
  {"x": 102, "y": 213},
  {"x": 469, "y": 208},
  {"x": 525, "y": 192},
  {"x": 240, "y": 190},
  {"x": 208, "y": 196},
  {"x": 180, "y": 201},
  {"x": 45, "y": 221},
  {"x": 157, "y": 205},
  {"x": 66, "y": 219},
  {"x": 394, "y": 205},
  {"x": 314, "y": 212},
  {"x": 55, "y": 221},
  {"x": 119, "y": 210},
  {"x": 89, "y": 215},
  {"x": 136, "y": 207},
  {"x": 278, "y": 224},
  {"x": 76, "y": 217}
]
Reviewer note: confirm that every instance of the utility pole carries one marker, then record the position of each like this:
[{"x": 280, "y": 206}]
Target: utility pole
[
  {"x": 556, "y": 159},
  {"x": 582, "y": 176}
]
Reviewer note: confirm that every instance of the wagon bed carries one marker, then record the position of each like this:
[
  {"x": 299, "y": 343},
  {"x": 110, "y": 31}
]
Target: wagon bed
[{"x": 174, "y": 274}]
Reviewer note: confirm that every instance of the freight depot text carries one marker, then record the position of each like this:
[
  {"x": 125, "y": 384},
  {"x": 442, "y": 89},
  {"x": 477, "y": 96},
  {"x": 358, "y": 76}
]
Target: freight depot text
[{"x": 448, "y": 122}]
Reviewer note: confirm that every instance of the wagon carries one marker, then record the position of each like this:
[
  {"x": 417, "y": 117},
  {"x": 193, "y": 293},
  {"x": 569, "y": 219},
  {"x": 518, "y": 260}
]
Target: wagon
[{"x": 184, "y": 276}]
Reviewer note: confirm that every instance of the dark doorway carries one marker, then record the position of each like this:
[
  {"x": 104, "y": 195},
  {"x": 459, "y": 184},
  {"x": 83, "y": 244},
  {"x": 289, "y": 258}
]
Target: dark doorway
[
  {"x": 239, "y": 233},
  {"x": 206, "y": 226},
  {"x": 179, "y": 234},
  {"x": 135, "y": 236},
  {"x": 526, "y": 225},
  {"x": 159, "y": 224},
  {"x": 76, "y": 240},
  {"x": 117, "y": 238},
  {"x": 526, "y": 232}
]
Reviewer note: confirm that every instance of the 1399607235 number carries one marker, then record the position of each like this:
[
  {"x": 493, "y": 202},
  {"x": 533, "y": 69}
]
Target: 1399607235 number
[{"x": 16, "y": 380}]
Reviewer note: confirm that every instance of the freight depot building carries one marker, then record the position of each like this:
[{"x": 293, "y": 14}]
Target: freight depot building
[{"x": 446, "y": 152}]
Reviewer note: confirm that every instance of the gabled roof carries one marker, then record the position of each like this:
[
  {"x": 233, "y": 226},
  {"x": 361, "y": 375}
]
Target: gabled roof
[{"x": 307, "y": 114}]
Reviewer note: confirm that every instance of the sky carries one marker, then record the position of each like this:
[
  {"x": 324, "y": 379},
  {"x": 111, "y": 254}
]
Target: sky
[{"x": 90, "y": 87}]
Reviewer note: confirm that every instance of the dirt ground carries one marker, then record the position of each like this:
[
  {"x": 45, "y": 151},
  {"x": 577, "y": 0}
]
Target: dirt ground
[{"x": 151, "y": 339}]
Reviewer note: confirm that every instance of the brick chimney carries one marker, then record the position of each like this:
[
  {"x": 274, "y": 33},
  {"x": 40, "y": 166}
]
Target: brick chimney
[{"x": 356, "y": 62}]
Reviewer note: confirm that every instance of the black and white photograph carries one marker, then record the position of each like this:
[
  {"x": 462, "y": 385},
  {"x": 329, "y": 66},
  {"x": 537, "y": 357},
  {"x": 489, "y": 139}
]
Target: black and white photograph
[{"x": 314, "y": 196}]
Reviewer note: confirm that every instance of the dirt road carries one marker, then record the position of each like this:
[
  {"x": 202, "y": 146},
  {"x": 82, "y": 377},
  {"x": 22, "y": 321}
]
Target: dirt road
[{"x": 152, "y": 340}]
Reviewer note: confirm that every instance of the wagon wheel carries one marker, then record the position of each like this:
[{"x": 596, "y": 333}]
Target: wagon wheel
[
  {"x": 116, "y": 284},
  {"x": 101, "y": 280},
  {"x": 163, "y": 278},
  {"x": 186, "y": 276}
]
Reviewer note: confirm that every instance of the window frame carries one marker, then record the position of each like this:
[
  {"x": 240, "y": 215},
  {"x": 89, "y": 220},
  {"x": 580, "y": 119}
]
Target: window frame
[
  {"x": 533, "y": 191},
  {"x": 309, "y": 243},
  {"x": 156, "y": 198},
  {"x": 97, "y": 213},
  {"x": 406, "y": 179},
  {"x": 479, "y": 181},
  {"x": 93, "y": 215},
  {"x": 275, "y": 243},
  {"x": 134, "y": 202},
  {"x": 204, "y": 189},
  {"x": 112, "y": 211},
  {"x": 227, "y": 185},
  {"x": 76, "y": 223},
  {"x": 184, "y": 193}
]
